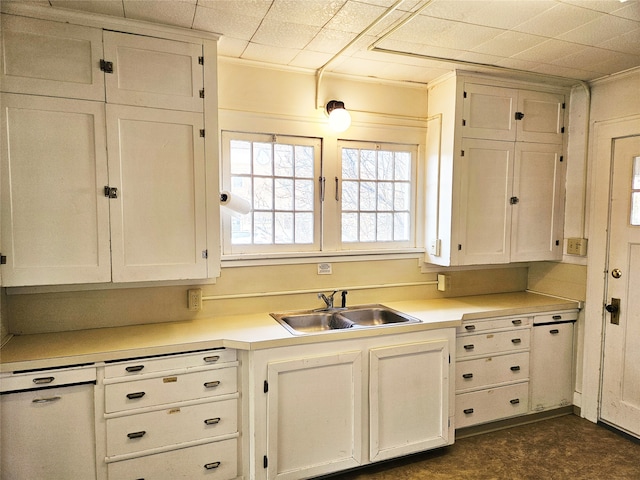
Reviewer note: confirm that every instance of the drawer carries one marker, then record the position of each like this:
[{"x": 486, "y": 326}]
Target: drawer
[
  {"x": 491, "y": 404},
  {"x": 488, "y": 371},
  {"x": 472, "y": 326},
  {"x": 175, "y": 425},
  {"x": 47, "y": 378},
  {"x": 212, "y": 461},
  {"x": 567, "y": 316},
  {"x": 170, "y": 389},
  {"x": 490, "y": 343},
  {"x": 131, "y": 368}
]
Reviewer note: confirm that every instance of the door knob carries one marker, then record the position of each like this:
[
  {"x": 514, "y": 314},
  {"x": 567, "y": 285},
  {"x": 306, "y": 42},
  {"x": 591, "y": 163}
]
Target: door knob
[{"x": 614, "y": 309}]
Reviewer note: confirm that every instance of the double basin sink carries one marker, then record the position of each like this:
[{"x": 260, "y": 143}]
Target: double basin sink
[{"x": 327, "y": 320}]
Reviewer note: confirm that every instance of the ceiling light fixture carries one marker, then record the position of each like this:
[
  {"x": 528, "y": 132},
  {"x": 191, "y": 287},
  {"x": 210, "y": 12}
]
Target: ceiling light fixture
[{"x": 339, "y": 118}]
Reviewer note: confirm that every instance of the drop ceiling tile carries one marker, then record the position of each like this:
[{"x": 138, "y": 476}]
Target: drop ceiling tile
[
  {"x": 628, "y": 10},
  {"x": 354, "y": 17},
  {"x": 270, "y": 54},
  {"x": 316, "y": 12},
  {"x": 509, "y": 43},
  {"x": 627, "y": 43},
  {"x": 617, "y": 62},
  {"x": 483, "y": 58},
  {"x": 284, "y": 34},
  {"x": 565, "y": 72},
  {"x": 245, "y": 8},
  {"x": 422, "y": 29},
  {"x": 330, "y": 41},
  {"x": 179, "y": 13},
  {"x": 103, "y": 7},
  {"x": 605, "y": 6},
  {"x": 557, "y": 20},
  {"x": 547, "y": 52},
  {"x": 230, "y": 24},
  {"x": 231, "y": 47},
  {"x": 418, "y": 49},
  {"x": 599, "y": 30},
  {"x": 583, "y": 58},
  {"x": 313, "y": 60},
  {"x": 464, "y": 37}
]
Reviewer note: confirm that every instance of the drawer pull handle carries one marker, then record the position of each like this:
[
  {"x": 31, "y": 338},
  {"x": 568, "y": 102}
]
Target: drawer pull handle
[
  {"x": 554, "y": 331},
  {"x": 515, "y": 401},
  {"x": 212, "y": 358},
  {"x": 136, "y": 434},
  {"x": 467, "y": 375},
  {"x": 212, "y": 465},
  {"x": 133, "y": 396},
  {"x": 212, "y": 384},
  {"x": 468, "y": 411},
  {"x": 470, "y": 327},
  {"x": 517, "y": 322},
  {"x": 469, "y": 347},
  {"x": 46, "y": 400},
  {"x": 557, "y": 317},
  {"x": 43, "y": 380},
  {"x": 134, "y": 368},
  {"x": 515, "y": 368},
  {"x": 516, "y": 340},
  {"x": 212, "y": 421}
]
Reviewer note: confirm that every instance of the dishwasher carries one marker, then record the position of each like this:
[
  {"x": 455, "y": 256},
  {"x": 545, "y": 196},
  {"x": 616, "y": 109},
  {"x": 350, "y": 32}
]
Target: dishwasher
[{"x": 47, "y": 425}]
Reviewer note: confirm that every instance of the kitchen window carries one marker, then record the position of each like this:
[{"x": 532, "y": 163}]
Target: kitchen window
[{"x": 293, "y": 187}]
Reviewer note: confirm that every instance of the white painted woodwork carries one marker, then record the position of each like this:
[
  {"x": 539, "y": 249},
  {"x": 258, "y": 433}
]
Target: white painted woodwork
[
  {"x": 159, "y": 390},
  {"x": 408, "y": 398},
  {"x": 486, "y": 172},
  {"x": 153, "y": 72},
  {"x": 537, "y": 218},
  {"x": 482, "y": 324},
  {"x": 620, "y": 404},
  {"x": 543, "y": 119},
  {"x": 51, "y": 58},
  {"x": 492, "y": 342},
  {"x": 158, "y": 221},
  {"x": 491, "y": 404},
  {"x": 551, "y": 366},
  {"x": 186, "y": 464},
  {"x": 48, "y": 433},
  {"x": 491, "y": 370},
  {"x": 55, "y": 225},
  {"x": 489, "y": 112},
  {"x": 314, "y": 415}
]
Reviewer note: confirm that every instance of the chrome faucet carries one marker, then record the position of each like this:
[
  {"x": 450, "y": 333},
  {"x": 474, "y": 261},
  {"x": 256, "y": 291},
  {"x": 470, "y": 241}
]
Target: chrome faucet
[{"x": 328, "y": 300}]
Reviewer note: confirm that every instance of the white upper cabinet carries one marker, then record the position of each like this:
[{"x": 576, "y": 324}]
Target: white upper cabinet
[
  {"x": 51, "y": 58},
  {"x": 55, "y": 224},
  {"x": 113, "y": 189},
  {"x": 158, "y": 218},
  {"x": 495, "y": 169},
  {"x": 153, "y": 72}
]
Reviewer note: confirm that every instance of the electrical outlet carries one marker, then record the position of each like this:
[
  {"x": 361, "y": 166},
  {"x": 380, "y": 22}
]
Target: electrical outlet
[
  {"x": 324, "y": 269},
  {"x": 434, "y": 247},
  {"x": 577, "y": 246},
  {"x": 195, "y": 299},
  {"x": 444, "y": 282}
]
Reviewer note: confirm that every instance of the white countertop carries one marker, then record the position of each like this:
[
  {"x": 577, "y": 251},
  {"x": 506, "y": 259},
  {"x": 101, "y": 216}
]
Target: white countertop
[{"x": 247, "y": 332}]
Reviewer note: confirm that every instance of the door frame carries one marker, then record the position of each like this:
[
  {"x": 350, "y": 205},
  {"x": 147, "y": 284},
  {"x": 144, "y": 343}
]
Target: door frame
[{"x": 605, "y": 132}]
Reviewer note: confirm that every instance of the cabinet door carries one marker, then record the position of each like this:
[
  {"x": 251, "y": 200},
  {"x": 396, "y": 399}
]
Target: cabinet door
[
  {"x": 484, "y": 195},
  {"x": 538, "y": 185},
  {"x": 153, "y": 72},
  {"x": 552, "y": 366},
  {"x": 408, "y": 398},
  {"x": 55, "y": 218},
  {"x": 158, "y": 220},
  {"x": 314, "y": 415},
  {"x": 542, "y": 117},
  {"x": 51, "y": 58},
  {"x": 48, "y": 434},
  {"x": 489, "y": 112}
]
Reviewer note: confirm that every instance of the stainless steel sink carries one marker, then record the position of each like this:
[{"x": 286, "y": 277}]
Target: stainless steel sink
[{"x": 322, "y": 321}]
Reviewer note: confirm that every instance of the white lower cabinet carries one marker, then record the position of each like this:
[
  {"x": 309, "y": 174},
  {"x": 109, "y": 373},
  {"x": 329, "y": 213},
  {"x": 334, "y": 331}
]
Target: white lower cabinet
[
  {"x": 491, "y": 404},
  {"x": 48, "y": 432},
  {"x": 325, "y": 407},
  {"x": 171, "y": 417}
]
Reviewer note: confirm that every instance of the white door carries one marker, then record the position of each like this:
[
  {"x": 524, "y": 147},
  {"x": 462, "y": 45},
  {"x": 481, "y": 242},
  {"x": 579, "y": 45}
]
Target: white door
[
  {"x": 158, "y": 220},
  {"x": 620, "y": 402},
  {"x": 489, "y": 112}
]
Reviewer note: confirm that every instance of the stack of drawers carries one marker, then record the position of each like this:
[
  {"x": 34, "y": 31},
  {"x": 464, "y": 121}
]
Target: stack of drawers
[
  {"x": 172, "y": 417},
  {"x": 492, "y": 369}
]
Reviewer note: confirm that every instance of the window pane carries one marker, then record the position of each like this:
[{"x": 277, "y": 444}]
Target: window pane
[
  {"x": 241, "y": 229},
  {"x": 262, "y": 159},
  {"x": 304, "y": 228},
  {"x": 349, "y": 227},
  {"x": 283, "y": 160},
  {"x": 262, "y": 193},
  {"x": 349, "y": 163},
  {"x": 304, "y": 195},
  {"x": 284, "y": 194},
  {"x": 636, "y": 174},
  {"x": 263, "y": 227},
  {"x": 367, "y": 196},
  {"x": 283, "y": 227},
  {"x": 349, "y": 195},
  {"x": 240, "y": 157},
  {"x": 635, "y": 208},
  {"x": 402, "y": 196},
  {"x": 385, "y": 196},
  {"x": 403, "y": 166},
  {"x": 368, "y": 164},
  {"x": 367, "y": 227},
  {"x": 385, "y": 165},
  {"x": 304, "y": 161},
  {"x": 401, "y": 227},
  {"x": 385, "y": 227}
]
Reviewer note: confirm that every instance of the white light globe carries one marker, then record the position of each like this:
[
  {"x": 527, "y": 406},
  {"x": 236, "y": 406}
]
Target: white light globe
[{"x": 339, "y": 119}]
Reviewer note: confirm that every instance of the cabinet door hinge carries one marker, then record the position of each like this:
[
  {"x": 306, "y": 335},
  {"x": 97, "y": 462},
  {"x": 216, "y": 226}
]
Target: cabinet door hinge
[
  {"x": 564, "y": 106},
  {"x": 265, "y": 462},
  {"x": 3, "y": 259},
  {"x": 202, "y": 93},
  {"x": 557, "y": 243},
  {"x": 201, "y": 60},
  {"x": 202, "y": 132},
  {"x": 459, "y": 246},
  {"x": 205, "y": 254},
  {"x": 105, "y": 66},
  {"x": 464, "y": 94},
  {"x": 561, "y": 158},
  {"x": 562, "y": 130},
  {"x": 449, "y": 358},
  {"x": 462, "y": 153},
  {"x": 265, "y": 387},
  {"x": 464, "y": 122}
]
